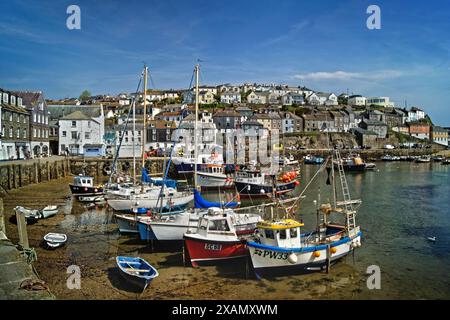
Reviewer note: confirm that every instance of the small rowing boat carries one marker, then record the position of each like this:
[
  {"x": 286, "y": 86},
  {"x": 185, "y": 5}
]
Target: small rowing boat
[
  {"x": 137, "y": 271},
  {"x": 54, "y": 240}
]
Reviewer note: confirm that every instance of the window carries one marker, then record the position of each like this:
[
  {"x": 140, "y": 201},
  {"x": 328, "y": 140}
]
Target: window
[
  {"x": 74, "y": 124},
  {"x": 13, "y": 100},
  {"x": 19, "y": 102},
  {"x": 87, "y": 135},
  {"x": 63, "y": 147},
  {"x": 64, "y": 133},
  {"x": 3, "y": 131},
  {"x": 34, "y": 133},
  {"x": 25, "y": 133},
  {"x": 74, "y": 134},
  {"x": 89, "y": 124},
  {"x": 5, "y": 97},
  {"x": 269, "y": 234},
  {"x": 219, "y": 225},
  {"x": 10, "y": 116},
  {"x": 34, "y": 117}
]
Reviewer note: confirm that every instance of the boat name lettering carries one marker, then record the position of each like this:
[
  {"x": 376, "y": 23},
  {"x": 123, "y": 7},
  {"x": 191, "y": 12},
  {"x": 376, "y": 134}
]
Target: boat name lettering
[{"x": 272, "y": 254}]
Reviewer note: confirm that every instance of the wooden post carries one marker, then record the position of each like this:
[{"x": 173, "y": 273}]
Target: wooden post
[
  {"x": 14, "y": 177},
  {"x": 22, "y": 229},
  {"x": 20, "y": 176},
  {"x": 9, "y": 178},
  {"x": 36, "y": 173},
  {"x": 48, "y": 171},
  {"x": 57, "y": 169},
  {"x": 2, "y": 218}
]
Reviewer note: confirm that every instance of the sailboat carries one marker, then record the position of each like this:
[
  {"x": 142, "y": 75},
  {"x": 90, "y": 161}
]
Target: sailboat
[
  {"x": 149, "y": 194},
  {"x": 174, "y": 227},
  {"x": 280, "y": 248}
]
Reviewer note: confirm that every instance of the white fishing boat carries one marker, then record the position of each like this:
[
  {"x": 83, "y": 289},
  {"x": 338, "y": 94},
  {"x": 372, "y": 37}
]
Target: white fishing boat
[
  {"x": 35, "y": 214},
  {"x": 169, "y": 198},
  {"x": 213, "y": 176},
  {"x": 280, "y": 248},
  {"x": 54, "y": 240}
]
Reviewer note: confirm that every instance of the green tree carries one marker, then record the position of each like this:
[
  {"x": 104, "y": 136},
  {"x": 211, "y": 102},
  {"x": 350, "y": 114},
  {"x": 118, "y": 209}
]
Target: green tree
[{"x": 85, "y": 95}]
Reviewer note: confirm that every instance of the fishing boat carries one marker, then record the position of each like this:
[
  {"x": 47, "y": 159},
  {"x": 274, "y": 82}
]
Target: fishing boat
[
  {"x": 309, "y": 159},
  {"x": 423, "y": 159},
  {"x": 168, "y": 198},
  {"x": 253, "y": 183},
  {"x": 184, "y": 162},
  {"x": 136, "y": 271},
  {"x": 438, "y": 158},
  {"x": 219, "y": 236},
  {"x": 84, "y": 186},
  {"x": 279, "y": 247},
  {"x": 214, "y": 176},
  {"x": 352, "y": 163},
  {"x": 287, "y": 161},
  {"x": 54, "y": 240},
  {"x": 93, "y": 199},
  {"x": 446, "y": 161}
]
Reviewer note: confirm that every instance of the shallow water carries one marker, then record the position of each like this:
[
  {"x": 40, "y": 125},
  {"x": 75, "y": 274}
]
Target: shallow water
[{"x": 403, "y": 204}]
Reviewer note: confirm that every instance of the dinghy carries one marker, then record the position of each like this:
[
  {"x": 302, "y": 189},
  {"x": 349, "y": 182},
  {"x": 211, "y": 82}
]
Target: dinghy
[
  {"x": 55, "y": 240},
  {"x": 49, "y": 211},
  {"x": 136, "y": 271},
  {"x": 432, "y": 239}
]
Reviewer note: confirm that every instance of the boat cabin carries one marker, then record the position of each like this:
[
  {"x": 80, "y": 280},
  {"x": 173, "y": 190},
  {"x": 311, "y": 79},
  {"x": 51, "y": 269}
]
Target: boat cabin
[
  {"x": 216, "y": 222},
  {"x": 250, "y": 176},
  {"x": 283, "y": 233},
  {"x": 83, "y": 181},
  {"x": 211, "y": 168}
]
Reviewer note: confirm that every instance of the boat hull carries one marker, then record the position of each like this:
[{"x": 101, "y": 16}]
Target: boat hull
[
  {"x": 127, "y": 224},
  {"x": 85, "y": 191},
  {"x": 256, "y": 190},
  {"x": 174, "y": 230},
  {"x": 268, "y": 260},
  {"x": 203, "y": 250},
  {"x": 150, "y": 203}
]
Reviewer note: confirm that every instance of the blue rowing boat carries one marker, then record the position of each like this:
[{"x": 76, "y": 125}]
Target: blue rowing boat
[{"x": 137, "y": 271}]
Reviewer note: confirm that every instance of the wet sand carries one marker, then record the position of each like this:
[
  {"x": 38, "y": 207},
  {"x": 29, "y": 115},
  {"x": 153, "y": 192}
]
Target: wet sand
[{"x": 94, "y": 242}]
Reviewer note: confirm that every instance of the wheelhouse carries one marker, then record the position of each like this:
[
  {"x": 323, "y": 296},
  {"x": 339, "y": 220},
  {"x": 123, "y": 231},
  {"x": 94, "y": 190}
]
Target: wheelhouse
[
  {"x": 83, "y": 181},
  {"x": 284, "y": 233},
  {"x": 216, "y": 221}
]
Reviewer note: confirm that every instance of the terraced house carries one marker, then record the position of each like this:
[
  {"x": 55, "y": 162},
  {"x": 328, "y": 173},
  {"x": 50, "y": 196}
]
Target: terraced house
[
  {"x": 14, "y": 124},
  {"x": 36, "y": 106}
]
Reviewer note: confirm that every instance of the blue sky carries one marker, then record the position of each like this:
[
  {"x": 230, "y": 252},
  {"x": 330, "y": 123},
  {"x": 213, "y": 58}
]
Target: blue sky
[{"x": 324, "y": 45}]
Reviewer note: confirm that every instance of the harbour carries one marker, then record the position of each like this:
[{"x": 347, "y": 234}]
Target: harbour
[{"x": 396, "y": 221}]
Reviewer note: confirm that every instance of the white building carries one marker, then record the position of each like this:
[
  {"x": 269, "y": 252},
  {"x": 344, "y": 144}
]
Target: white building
[
  {"x": 230, "y": 97},
  {"x": 81, "y": 133},
  {"x": 292, "y": 98},
  {"x": 415, "y": 114},
  {"x": 380, "y": 102},
  {"x": 356, "y": 100}
]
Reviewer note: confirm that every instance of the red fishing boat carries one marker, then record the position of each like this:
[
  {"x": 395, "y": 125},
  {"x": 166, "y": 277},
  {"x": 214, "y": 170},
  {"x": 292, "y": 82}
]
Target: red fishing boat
[{"x": 219, "y": 236}]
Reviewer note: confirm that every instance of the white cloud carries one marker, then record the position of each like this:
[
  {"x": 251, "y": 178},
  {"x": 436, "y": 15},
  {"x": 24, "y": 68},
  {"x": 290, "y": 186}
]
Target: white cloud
[{"x": 345, "y": 76}]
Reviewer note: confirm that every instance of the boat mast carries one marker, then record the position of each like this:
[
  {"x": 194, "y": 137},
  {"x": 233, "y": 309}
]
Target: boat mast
[
  {"x": 197, "y": 68},
  {"x": 144, "y": 133},
  {"x": 134, "y": 142}
]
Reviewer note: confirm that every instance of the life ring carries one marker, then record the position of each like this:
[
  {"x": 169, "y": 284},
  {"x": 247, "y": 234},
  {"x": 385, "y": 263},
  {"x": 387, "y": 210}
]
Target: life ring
[
  {"x": 106, "y": 169},
  {"x": 126, "y": 166}
]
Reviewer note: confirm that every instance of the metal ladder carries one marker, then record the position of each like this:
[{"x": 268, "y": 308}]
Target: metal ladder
[{"x": 346, "y": 193}]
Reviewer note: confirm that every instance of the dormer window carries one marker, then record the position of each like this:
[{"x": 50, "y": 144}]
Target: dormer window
[
  {"x": 13, "y": 100},
  {"x": 5, "y": 97},
  {"x": 19, "y": 102}
]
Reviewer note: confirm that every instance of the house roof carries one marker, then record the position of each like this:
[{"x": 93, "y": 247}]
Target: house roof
[
  {"x": 373, "y": 123},
  {"x": 59, "y": 111},
  {"x": 76, "y": 115},
  {"x": 29, "y": 98},
  {"x": 226, "y": 113}
]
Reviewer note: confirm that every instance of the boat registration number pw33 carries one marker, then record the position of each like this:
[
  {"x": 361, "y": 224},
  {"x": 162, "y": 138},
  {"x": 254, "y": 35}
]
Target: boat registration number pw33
[{"x": 271, "y": 254}]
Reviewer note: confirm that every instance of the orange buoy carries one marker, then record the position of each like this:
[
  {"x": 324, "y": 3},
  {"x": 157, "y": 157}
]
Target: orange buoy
[
  {"x": 297, "y": 183},
  {"x": 333, "y": 250},
  {"x": 316, "y": 254}
]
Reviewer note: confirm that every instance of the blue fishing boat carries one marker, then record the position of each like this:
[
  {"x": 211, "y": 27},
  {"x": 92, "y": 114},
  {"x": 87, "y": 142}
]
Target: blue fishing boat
[
  {"x": 137, "y": 271},
  {"x": 309, "y": 159}
]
